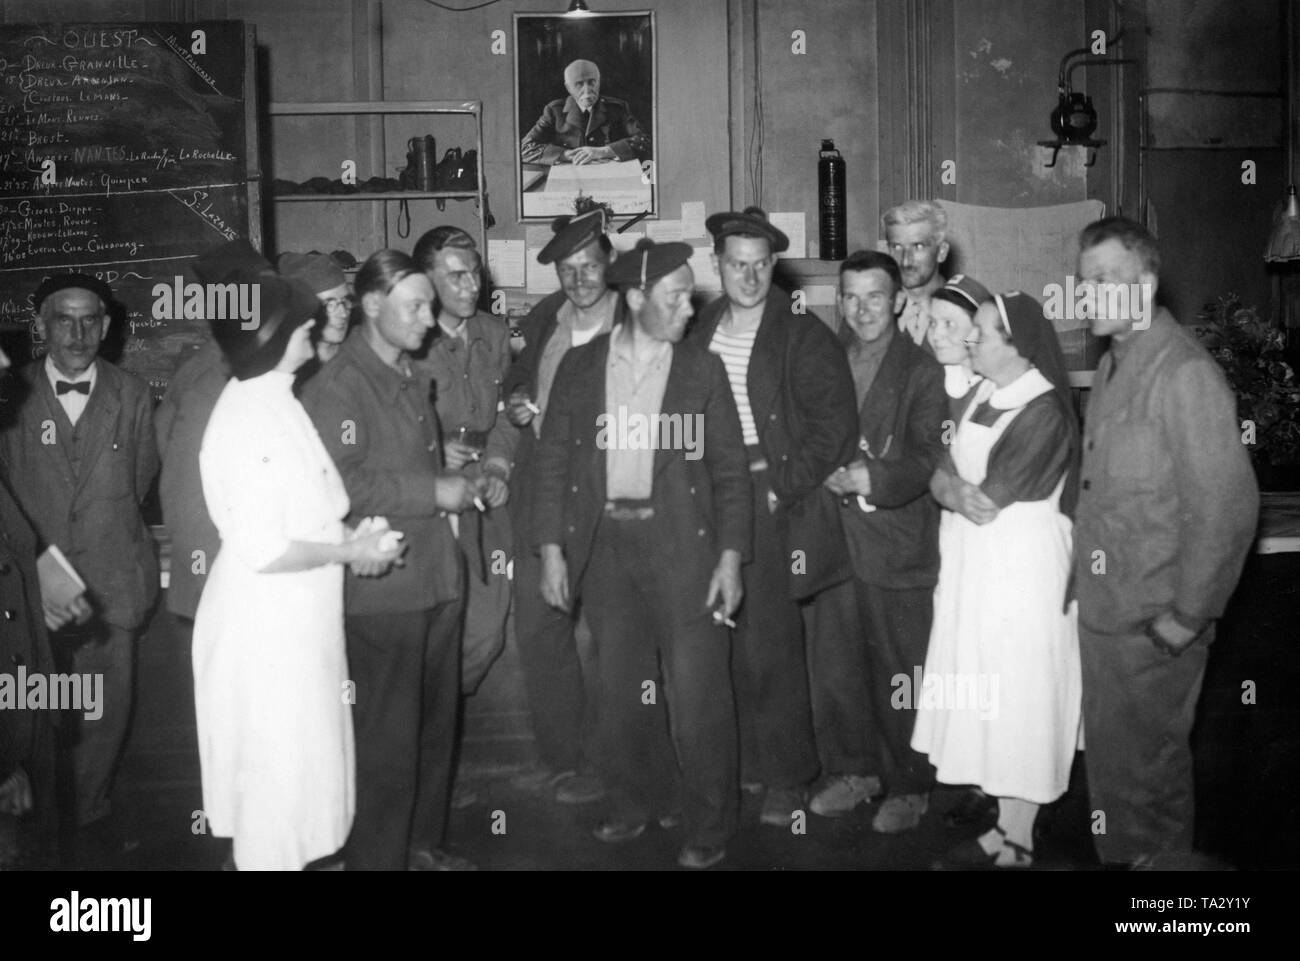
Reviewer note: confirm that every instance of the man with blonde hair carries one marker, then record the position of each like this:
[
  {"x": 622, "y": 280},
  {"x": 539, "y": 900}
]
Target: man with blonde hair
[{"x": 916, "y": 235}]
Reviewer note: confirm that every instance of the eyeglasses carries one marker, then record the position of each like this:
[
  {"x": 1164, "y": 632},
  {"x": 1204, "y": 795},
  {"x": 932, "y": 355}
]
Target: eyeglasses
[
  {"x": 334, "y": 303},
  {"x": 853, "y": 304}
]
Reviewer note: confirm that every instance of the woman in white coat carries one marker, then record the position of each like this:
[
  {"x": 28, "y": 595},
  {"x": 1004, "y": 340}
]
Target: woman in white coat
[{"x": 270, "y": 671}]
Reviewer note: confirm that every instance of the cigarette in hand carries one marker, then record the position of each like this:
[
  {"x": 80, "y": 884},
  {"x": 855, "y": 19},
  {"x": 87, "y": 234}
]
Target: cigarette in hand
[
  {"x": 720, "y": 617},
  {"x": 478, "y": 504},
  {"x": 532, "y": 407}
]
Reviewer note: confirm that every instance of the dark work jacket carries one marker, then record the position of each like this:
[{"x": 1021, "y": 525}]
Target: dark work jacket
[
  {"x": 93, "y": 513},
  {"x": 901, "y": 425},
  {"x": 537, "y": 329},
  {"x": 705, "y": 501},
  {"x": 23, "y": 642},
  {"x": 801, "y": 394}
]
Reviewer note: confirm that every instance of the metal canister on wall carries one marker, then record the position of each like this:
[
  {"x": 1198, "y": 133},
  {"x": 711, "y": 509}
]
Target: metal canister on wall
[{"x": 830, "y": 193}]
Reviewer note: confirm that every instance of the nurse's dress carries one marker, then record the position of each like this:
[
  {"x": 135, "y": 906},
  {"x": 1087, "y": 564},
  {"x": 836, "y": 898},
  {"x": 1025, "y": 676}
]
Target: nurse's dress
[
  {"x": 270, "y": 668},
  {"x": 999, "y": 703}
]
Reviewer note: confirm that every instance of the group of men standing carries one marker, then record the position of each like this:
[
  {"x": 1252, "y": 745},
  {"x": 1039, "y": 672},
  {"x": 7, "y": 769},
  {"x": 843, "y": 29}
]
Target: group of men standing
[
  {"x": 752, "y": 590},
  {"x": 814, "y": 481}
]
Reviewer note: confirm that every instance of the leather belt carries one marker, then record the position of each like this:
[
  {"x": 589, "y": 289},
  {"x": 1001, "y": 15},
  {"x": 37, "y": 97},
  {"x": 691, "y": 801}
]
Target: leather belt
[{"x": 629, "y": 510}]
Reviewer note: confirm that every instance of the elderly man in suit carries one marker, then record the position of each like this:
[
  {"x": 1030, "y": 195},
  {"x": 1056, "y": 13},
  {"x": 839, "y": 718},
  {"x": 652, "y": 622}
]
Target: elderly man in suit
[
  {"x": 643, "y": 511},
  {"x": 877, "y": 626},
  {"x": 794, "y": 395},
  {"x": 81, "y": 456}
]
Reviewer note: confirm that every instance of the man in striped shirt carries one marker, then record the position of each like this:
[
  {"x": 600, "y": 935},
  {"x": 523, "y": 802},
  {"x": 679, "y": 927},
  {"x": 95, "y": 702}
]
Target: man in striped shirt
[{"x": 798, "y": 416}]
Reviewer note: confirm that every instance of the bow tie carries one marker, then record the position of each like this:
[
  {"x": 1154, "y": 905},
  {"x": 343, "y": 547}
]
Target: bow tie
[{"x": 62, "y": 387}]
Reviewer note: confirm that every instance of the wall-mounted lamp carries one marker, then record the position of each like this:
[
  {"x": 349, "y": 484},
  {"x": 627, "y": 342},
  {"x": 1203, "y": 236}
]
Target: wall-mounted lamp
[
  {"x": 578, "y": 8},
  {"x": 1074, "y": 119}
]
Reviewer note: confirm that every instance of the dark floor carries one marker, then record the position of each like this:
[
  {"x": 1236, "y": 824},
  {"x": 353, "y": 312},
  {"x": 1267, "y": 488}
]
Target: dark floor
[{"x": 1248, "y": 772}]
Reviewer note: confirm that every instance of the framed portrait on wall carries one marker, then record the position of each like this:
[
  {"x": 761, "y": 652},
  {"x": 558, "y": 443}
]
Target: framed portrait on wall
[{"x": 585, "y": 113}]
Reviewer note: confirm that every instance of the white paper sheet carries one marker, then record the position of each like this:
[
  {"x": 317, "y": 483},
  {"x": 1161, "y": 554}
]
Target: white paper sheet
[
  {"x": 792, "y": 225},
  {"x": 506, "y": 263},
  {"x": 693, "y": 220}
]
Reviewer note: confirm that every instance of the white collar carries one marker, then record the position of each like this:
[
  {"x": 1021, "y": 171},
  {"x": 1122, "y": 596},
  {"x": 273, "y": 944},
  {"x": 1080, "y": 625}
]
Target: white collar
[
  {"x": 1020, "y": 391},
  {"x": 55, "y": 375}
]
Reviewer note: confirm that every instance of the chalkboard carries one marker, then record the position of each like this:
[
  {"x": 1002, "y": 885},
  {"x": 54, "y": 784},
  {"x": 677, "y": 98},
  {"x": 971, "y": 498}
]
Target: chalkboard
[{"x": 124, "y": 152}]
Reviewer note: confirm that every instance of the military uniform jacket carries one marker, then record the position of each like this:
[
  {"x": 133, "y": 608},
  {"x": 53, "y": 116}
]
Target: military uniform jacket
[{"x": 563, "y": 126}]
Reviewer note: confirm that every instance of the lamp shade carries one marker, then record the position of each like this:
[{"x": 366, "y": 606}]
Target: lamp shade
[{"x": 1284, "y": 241}]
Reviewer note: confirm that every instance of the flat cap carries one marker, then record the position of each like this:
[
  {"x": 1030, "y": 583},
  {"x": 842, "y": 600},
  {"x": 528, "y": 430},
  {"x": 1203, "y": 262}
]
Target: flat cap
[
  {"x": 646, "y": 263},
  {"x": 317, "y": 271},
  {"x": 52, "y": 285},
  {"x": 751, "y": 220},
  {"x": 571, "y": 235}
]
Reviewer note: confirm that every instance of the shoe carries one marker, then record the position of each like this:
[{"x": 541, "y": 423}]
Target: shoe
[
  {"x": 699, "y": 857},
  {"x": 975, "y": 810},
  {"x": 900, "y": 812},
  {"x": 970, "y": 856},
  {"x": 780, "y": 804},
  {"x": 534, "y": 780},
  {"x": 463, "y": 797},
  {"x": 843, "y": 793},
  {"x": 438, "y": 860},
  {"x": 751, "y": 787},
  {"x": 616, "y": 832},
  {"x": 670, "y": 821},
  {"x": 574, "y": 788}
]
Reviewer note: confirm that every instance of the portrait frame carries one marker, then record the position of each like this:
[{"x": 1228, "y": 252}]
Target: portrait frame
[{"x": 623, "y": 45}]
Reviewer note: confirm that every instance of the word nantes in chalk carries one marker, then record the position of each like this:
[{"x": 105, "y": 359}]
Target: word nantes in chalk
[
  {"x": 180, "y": 300},
  {"x": 75, "y": 914}
]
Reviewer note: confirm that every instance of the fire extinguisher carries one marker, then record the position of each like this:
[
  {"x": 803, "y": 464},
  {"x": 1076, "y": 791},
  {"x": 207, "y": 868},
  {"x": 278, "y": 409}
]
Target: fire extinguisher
[{"x": 830, "y": 191}]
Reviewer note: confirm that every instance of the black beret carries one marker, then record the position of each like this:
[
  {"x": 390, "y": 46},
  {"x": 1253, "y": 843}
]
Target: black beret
[
  {"x": 571, "y": 235},
  {"x": 52, "y": 285},
  {"x": 751, "y": 220},
  {"x": 646, "y": 263}
]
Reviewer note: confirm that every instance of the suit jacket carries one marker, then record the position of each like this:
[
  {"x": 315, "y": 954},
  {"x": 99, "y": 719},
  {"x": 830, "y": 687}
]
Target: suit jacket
[
  {"x": 92, "y": 513},
  {"x": 901, "y": 425},
  {"x": 706, "y": 500},
  {"x": 23, "y": 642},
  {"x": 180, "y": 420},
  {"x": 562, "y": 127},
  {"x": 804, "y": 406}
]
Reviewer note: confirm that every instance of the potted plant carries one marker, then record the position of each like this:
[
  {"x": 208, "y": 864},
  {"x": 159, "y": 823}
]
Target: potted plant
[{"x": 1251, "y": 352}]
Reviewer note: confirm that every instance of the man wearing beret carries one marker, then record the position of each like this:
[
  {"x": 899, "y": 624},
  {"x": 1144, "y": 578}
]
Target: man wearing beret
[
  {"x": 794, "y": 394},
  {"x": 643, "y": 511},
  {"x": 581, "y": 310},
  {"x": 81, "y": 456},
  {"x": 585, "y": 127}
]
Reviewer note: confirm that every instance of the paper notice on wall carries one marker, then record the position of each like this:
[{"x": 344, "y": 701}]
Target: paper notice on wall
[
  {"x": 792, "y": 225},
  {"x": 693, "y": 220},
  {"x": 506, "y": 263},
  {"x": 820, "y": 295},
  {"x": 664, "y": 231},
  {"x": 701, "y": 264},
  {"x": 542, "y": 278}
]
